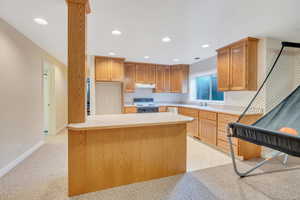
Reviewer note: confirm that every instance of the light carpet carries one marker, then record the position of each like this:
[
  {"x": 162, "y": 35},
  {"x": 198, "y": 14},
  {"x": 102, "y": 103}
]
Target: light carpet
[{"x": 43, "y": 176}]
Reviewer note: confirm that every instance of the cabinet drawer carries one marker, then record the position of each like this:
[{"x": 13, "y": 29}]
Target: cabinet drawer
[
  {"x": 224, "y": 146},
  {"x": 207, "y": 115},
  {"x": 130, "y": 109},
  {"x": 189, "y": 112},
  {"x": 224, "y": 120},
  {"x": 162, "y": 109},
  {"x": 223, "y": 136}
]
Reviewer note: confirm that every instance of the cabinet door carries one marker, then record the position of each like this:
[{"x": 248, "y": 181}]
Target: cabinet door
[
  {"x": 117, "y": 70},
  {"x": 150, "y": 73},
  {"x": 162, "y": 109},
  {"x": 224, "y": 70},
  {"x": 194, "y": 128},
  {"x": 238, "y": 78},
  {"x": 102, "y": 69},
  {"x": 167, "y": 78},
  {"x": 140, "y": 73},
  {"x": 208, "y": 131},
  {"x": 130, "y": 110},
  {"x": 160, "y": 79},
  {"x": 175, "y": 79},
  {"x": 129, "y": 77}
]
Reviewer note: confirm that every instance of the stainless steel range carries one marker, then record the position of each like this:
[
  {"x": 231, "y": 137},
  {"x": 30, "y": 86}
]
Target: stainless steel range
[{"x": 145, "y": 105}]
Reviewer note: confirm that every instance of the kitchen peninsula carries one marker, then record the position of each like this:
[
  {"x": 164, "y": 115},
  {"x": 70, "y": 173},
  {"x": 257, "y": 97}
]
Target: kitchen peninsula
[{"x": 113, "y": 150}]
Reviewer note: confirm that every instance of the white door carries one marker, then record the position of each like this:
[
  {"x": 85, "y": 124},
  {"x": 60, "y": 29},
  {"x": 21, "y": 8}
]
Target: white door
[
  {"x": 46, "y": 91},
  {"x": 48, "y": 97}
]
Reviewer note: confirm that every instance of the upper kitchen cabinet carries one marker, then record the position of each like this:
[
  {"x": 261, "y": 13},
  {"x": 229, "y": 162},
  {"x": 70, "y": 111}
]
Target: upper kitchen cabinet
[
  {"x": 140, "y": 72},
  {"x": 162, "y": 84},
  {"x": 129, "y": 82},
  {"x": 179, "y": 78},
  {"x": 237, "y": 66},
  {"x": 109, "y": 69},
  {"x": 145, "y": 73}
]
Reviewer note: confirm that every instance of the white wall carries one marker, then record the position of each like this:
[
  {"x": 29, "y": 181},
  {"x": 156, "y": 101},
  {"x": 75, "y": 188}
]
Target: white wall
[
  {"x": 297, "y": 69},
  {"x": 158, "y": 97},
  {"x": 21, "y": 105},
  {"x": 282, "y": 81},
  {"x": 61, "y": 97}
]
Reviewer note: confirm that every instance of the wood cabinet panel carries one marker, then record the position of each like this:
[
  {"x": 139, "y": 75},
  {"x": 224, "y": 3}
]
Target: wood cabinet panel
[
  {"x": 102, "y": 69},
  {"x": 109, "y": 69},
  {"x": 224, "y": 70},
  {"x": 245, "y": 149},
  {"x": 140, "y": 73},
  {"x": 192, "y": 127},
  {"x": 117, "y": 70},
  {"x": 129, "y": 81},
  {"x": 131, "y": 109},
  {"x": 224, "y": 120},
  {"x": 175, "y": 79},
  {"x": 238, "y": 77},
  {"x": 162, "y": 109},
  {"x": 150, "y": 73},
  {"x": 145, "y": 73},
  {"x": 223, "y": 136},
  {"x": 101, "y": 159},
  {"x": 224, "y": 146},
  {"x": 208, "y": 131},
  {"x": 237, "y": 66},
  {"x": 167, "y": 76},
  {"x": 207, "y": 115},
  {"x": 162, "y": 79},
  {"x": 189, "y": 112},
  {"x": 179, "y": 78}
]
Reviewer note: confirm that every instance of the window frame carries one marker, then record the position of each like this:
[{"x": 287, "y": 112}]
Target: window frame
[{"x": 193, "y": 92}]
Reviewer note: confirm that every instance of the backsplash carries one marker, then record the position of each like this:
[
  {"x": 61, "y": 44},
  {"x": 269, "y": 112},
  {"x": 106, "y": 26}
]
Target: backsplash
[{"x": 158, "y": 97}]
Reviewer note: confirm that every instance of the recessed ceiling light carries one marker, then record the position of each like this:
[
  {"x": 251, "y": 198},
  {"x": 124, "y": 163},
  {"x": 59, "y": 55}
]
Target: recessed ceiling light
[
  {"x": 205, "y": 45},
  {"x": 166, "y": 39},
  {"x": 116, "y": 32},
  {"x": 176, "y": 60},
  {"x": 146, "y": 57},
  {"x": 40, "y": 21},
  {"x": 111, "y": 53}
]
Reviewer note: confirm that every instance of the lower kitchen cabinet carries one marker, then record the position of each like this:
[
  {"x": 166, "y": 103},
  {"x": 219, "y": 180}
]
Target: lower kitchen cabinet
[
  {"x": 208, "y": 131},
  {"x": 131, "y": 109},
  {"x": 192, "y": 127},
  {"x": 243, "y": 149},
  {"x": 162, "y": 109}
]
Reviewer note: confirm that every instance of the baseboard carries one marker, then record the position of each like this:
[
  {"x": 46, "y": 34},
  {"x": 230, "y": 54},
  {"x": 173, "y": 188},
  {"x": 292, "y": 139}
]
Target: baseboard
[
  {"x": 61, "y": 129},
  {"x": 19, "y": 159}
]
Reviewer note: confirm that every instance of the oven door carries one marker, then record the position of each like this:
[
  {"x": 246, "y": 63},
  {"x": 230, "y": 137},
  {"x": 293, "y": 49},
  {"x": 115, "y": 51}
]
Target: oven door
[{"x": 147, "y": 109}]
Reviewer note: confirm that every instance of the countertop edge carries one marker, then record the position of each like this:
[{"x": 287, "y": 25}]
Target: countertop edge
[
  {"x": 72, "y": 128},
  {"x": 216, "y": 110}
]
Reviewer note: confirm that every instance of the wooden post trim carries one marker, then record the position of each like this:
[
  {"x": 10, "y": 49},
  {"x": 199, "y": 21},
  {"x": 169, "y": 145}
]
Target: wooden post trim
[
  {"x": 84, "y": 2},
  {"x": 77, "y": 10}
]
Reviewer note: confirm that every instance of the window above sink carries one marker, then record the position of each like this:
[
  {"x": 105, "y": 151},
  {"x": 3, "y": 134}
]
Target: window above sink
[{"x": 204, "y": 88}]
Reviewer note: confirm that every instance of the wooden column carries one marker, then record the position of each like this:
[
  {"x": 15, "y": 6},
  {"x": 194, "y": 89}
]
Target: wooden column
[{"x": 77, "y": 11}]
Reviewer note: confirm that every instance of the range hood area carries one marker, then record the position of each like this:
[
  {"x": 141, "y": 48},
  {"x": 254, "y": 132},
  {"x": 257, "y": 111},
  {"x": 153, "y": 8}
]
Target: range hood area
[{"x": 144, "y": 85}]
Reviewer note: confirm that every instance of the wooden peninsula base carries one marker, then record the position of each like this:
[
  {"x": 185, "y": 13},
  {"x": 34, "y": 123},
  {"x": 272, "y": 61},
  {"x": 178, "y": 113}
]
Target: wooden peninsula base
[{"x": 105, "y": 158}]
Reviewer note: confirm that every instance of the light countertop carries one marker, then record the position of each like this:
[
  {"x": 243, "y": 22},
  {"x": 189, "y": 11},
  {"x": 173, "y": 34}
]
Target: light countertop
[
  {"x": 234, "y": 110},
  {"x": 129, "y": 120}
]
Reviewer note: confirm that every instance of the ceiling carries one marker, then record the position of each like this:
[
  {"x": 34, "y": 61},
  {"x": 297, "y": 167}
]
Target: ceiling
[{"x": 189, "y": 23}]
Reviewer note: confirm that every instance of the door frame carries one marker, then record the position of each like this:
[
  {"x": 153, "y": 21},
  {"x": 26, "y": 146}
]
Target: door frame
[{"x": 49, "y": 112}]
